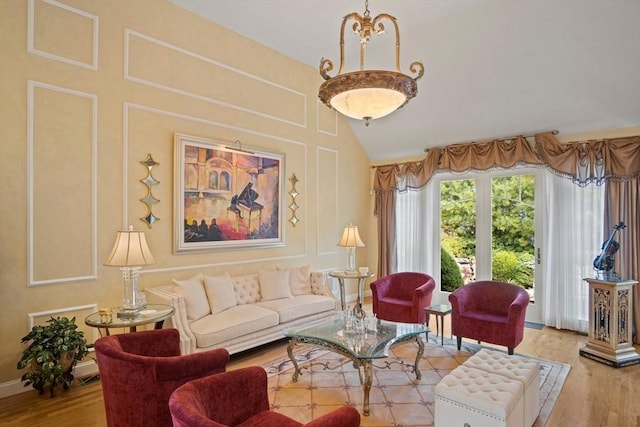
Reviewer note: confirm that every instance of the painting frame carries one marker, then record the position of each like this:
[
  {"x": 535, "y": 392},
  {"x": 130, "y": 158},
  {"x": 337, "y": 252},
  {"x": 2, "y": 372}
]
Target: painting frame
[{"x": 226, "y": 195}]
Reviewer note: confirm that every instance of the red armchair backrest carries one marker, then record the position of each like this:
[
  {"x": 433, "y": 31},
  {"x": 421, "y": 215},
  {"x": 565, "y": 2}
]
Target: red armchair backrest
[
  {"x": 488, "y": 296},
  {"x": 222, "y": 400},
  {"x": 402, "y": 285},
  {"x": 402, "y": 297}
]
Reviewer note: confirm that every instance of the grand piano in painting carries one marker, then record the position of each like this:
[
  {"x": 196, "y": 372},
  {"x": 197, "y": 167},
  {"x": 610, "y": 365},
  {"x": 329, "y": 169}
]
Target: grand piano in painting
[{"x": 246, "y": 201}]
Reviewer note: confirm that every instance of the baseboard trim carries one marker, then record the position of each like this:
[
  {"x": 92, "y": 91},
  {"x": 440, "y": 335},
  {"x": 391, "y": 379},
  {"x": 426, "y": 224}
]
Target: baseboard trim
[{"x": 16, "y": 386}]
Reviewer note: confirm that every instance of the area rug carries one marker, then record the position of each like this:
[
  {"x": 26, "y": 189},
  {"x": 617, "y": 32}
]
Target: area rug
[{"x": 397, "y": 399}]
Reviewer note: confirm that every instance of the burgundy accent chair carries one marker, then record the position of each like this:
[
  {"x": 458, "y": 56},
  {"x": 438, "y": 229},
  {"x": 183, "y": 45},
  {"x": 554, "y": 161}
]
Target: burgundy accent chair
[
  {"x": 240, "y": 398},
  {"x": 402, "y": 297},
  {"x": 140, "y": 370},
  {"x": 489, "y": 311}
]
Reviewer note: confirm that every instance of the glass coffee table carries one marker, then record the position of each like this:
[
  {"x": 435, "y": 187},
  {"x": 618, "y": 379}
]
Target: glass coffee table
[{"x": 361, "y": 348}]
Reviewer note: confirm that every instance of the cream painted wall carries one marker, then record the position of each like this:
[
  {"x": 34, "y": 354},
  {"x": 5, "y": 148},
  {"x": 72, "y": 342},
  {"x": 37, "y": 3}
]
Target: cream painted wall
[{"x": 88, "y": 89}]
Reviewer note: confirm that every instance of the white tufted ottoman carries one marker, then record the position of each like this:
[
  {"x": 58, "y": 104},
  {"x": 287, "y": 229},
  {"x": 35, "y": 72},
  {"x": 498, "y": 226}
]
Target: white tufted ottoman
[
  {"x": 517, "y": 368},
  {"x": 472, "y": 397}
]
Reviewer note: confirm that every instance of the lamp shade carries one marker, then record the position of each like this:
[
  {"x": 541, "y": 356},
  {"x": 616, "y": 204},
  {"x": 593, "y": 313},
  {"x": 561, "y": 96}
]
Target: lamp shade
[
  {"x": 351, "y": 237},
  {"x": 130, "y": 249}
]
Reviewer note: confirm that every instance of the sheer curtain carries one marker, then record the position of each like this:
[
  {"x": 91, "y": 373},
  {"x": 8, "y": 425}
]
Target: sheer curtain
[
  {"x": 414, "y": 231},
  {"x": 573, "y": 237}
]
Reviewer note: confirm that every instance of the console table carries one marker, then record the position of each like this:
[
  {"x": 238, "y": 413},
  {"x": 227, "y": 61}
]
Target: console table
[{"x": 610, "y": 311}]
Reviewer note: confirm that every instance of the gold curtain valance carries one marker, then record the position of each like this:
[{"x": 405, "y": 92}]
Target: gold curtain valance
[
  {"x": 593, "y": 161},
  {"x": 583, "y": 162}
]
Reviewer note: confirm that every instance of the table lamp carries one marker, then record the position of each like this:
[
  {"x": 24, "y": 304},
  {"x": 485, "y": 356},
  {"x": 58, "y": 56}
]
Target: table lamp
[
  {"x": 130, "y": 252},
  {"x": 351, "y": 240}
]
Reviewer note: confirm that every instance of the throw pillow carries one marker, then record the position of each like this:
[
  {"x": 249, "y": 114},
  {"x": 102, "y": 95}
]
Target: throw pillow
[
  {"x": 220, "y": 292},
  {"x": 274, "y": 284},
  {"x": 195, "y": 297},
  {"x": 299, "y": 280}
]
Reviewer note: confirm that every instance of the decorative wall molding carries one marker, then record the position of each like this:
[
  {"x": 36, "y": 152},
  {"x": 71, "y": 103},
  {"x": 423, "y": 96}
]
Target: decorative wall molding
[
  {"x": 320, "y": 110},
  {"x": 31, "y": 150},
  {"x": 324, "y": 227},
  {"x": 128, "y": 59},
  {"x": 31, "y": 31}
]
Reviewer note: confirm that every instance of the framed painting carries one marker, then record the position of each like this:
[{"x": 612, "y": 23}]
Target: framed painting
[{"x": 226, "y": 195}]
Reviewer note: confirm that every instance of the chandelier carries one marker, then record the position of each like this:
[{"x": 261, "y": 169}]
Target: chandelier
[{"x": 368, "y": 94}]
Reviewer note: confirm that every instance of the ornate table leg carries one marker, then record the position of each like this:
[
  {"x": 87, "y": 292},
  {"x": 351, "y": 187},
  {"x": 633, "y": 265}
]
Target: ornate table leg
[
  {"x": 296, "y": 370},
  {"x": 366, "y": 387},
  {"x": 418, "y": 357},
  {"x": 343, "y": 304}
]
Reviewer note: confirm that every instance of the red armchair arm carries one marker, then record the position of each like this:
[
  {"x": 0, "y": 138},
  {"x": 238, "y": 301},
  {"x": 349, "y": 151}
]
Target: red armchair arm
[
  {"x": 516, "y": 316},
  {"x": 345, "y": 416},
  {"x": 422, "y": 298}
]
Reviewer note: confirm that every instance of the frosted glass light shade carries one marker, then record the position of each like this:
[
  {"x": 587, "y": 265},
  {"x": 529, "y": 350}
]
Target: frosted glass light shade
[{"x": 371, "y": 103}]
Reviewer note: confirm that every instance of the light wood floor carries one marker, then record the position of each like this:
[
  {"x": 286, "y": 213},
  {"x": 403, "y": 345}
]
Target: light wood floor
[{"x": 593, "y": 395}]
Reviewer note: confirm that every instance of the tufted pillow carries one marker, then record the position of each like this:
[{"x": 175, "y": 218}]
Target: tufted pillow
[
  {"x": 274, "y": 284},
  {"x": 220, "y": 292},
  {"x": 195, "y": 297},
  {"x": 299, "y": 280}
]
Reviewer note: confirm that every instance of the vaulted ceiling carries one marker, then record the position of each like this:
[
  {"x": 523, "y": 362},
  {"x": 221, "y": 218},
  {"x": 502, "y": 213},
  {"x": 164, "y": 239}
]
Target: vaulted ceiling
[{"x": 493, "y": 68}]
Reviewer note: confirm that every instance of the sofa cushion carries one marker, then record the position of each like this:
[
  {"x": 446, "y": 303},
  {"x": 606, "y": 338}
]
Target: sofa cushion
[
  {"x": 299, "y": 306},
  {"x": 247, "y": 288},
  {"x": 274, "y": 284},
  {"x": 195, "y": 297},
  {"x": 231, "y": 323},
  {"x": 220, "y": 292},
  {"x": 299, "y": 279}
]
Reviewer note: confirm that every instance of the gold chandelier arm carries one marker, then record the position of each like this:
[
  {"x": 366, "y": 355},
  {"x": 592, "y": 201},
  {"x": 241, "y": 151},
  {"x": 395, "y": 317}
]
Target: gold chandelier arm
[
  {"x": 325, "y": 66},
  {"x": 355, "y": 16},
  {"x": 397, "y": 30},
  {"x": 417, "y": 68}
]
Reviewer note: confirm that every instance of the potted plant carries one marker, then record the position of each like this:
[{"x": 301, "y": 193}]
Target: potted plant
[{"x": 52, "y": 353}]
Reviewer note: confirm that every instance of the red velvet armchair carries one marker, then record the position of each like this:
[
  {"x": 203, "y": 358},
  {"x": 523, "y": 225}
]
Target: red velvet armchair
[
  {"x": 240, "y": 398},
  {"x": 140, "y": 370},
  {"x": 489, "y": 311},
  {"x": 402, "y": 297}
]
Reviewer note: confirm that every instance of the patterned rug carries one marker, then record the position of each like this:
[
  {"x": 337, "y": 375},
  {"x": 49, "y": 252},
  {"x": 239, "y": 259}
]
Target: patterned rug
[{"x": 396, "y": 398}]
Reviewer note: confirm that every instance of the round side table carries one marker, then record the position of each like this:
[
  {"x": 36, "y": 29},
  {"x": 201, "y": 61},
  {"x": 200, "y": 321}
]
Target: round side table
[
  {"x": 439, "y": 311},
  {"x": 341, "y": 275},
  {"x": 152, "y": 313}
]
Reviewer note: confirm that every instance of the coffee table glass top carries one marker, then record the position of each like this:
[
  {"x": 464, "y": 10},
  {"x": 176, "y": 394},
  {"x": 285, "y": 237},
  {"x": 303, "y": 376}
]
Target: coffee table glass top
[{"x": 369, "y": 345}]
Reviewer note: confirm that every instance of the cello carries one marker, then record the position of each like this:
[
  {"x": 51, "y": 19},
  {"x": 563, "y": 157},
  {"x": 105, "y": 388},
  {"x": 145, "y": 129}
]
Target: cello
[{"x": 605, "y": 261}]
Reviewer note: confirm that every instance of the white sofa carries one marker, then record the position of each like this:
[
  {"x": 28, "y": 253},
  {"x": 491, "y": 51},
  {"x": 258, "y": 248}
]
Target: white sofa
[{"x": 243, "y": 312}]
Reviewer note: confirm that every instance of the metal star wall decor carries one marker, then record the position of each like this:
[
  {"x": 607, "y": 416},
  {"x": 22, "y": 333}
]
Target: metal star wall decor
[
  {"x": 149, "y": 200},
  {"x": 293, "y": 206}
]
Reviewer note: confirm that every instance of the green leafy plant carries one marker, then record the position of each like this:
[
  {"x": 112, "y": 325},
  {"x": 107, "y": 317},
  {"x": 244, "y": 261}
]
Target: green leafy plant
[
  {"x": 450, "y": 277},
  {"x": 52, "y": 352}
]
